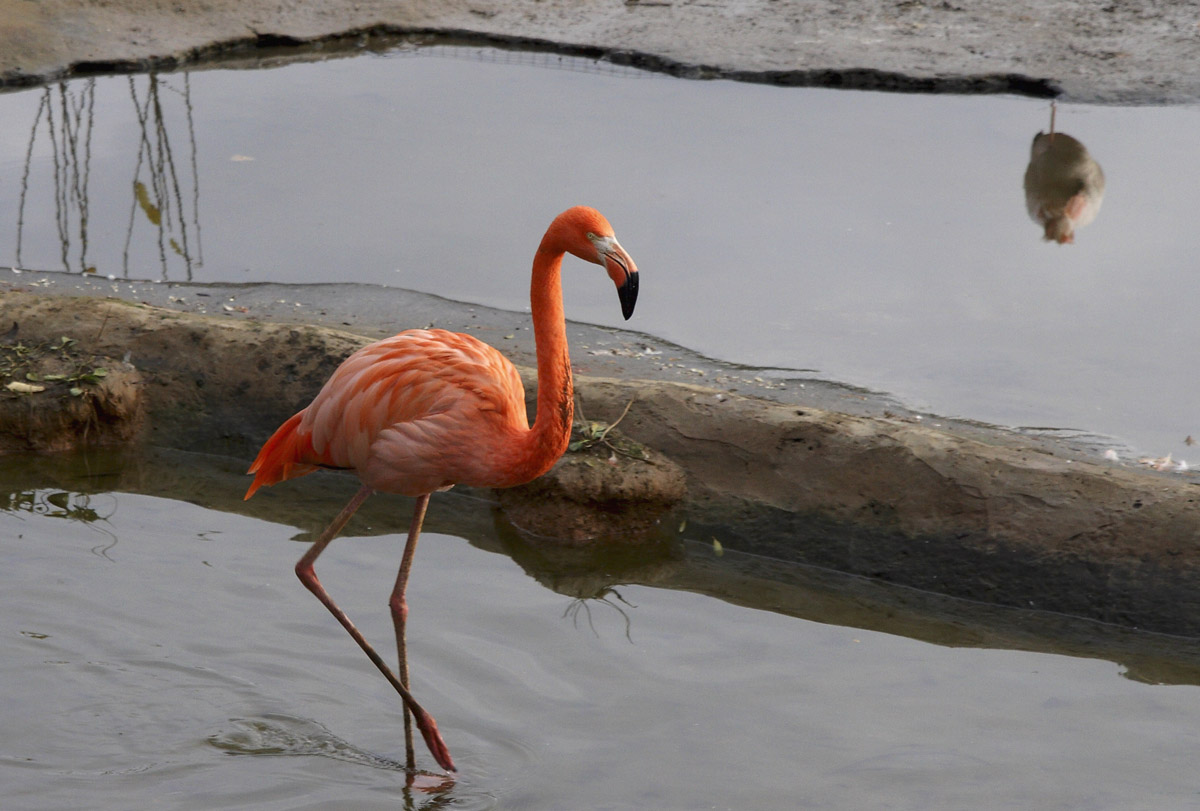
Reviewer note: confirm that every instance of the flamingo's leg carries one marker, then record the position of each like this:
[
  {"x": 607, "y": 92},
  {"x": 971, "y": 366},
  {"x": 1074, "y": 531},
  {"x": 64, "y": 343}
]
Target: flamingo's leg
[
  {"x": 399, "y": 606},
  {"x": 308, "y": 576}
]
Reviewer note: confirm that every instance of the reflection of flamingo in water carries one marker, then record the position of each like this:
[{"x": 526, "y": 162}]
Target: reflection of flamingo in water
[
  {"x": 427, "y": 409},
  {"x": 1064, "y": 186}
]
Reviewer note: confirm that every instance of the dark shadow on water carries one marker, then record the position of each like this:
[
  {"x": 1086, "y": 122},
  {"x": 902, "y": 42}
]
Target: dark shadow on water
[{"x": 747, "y": 565}]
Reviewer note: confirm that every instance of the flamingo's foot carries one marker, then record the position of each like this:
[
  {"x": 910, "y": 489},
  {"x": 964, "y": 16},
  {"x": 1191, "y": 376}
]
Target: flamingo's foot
[{"x": 433, "y": 739}]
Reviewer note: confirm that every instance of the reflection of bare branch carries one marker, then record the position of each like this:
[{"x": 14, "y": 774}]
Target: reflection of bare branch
[
  {"x": 74, "y": 191},
  {"x": 37, "y": 119},
  {"x": 87, "y": 171},
  {"x": 187, "y": 101},
  {"x": 162, "y": 198},
  {"x": 68, "y": 111},
  {"x": 153, "y": 211},
  {"x": 71, "y": 163},
  {"x": 165, "y": 146},
  {"x": 60, "y": 201}
]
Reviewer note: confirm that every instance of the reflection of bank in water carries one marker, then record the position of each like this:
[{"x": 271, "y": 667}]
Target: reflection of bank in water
[
  {"x": 1064, "y": 185},
  {"x": 64, "y": 122},
  {"x": 602, "y": 587}
]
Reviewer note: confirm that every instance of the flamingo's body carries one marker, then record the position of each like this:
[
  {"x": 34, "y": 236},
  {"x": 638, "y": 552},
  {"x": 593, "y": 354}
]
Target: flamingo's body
[
  {"x": 427, "y": 409},
  {"x": 412, "y": 414}
]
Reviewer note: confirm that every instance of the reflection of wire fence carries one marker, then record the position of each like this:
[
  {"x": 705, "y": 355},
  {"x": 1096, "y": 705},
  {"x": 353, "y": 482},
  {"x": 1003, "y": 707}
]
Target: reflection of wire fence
[{"x": 533, "y": 59}]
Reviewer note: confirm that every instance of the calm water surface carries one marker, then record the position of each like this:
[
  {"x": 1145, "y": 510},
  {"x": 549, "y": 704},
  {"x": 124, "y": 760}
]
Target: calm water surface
[
  {"x": 160, "y": 654},
  {"x": 880, "y": 240},
  {"x": 157, "y": 651}
]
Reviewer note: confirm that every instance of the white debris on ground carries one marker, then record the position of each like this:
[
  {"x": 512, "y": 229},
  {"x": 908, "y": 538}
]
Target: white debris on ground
[{"x": 1161, "y": 463}]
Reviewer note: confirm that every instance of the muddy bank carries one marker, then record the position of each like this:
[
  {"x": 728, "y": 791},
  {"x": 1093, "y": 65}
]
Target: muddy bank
[
  {"x": 874, "y": 495},
  {"x": 1139, "y": 52}
]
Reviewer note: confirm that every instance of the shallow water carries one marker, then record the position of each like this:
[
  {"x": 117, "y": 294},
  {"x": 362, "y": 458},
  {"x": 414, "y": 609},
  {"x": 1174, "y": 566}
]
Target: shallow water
[
  {"x": 156, "y": 653},
  {"x": 881, "y": 240}
]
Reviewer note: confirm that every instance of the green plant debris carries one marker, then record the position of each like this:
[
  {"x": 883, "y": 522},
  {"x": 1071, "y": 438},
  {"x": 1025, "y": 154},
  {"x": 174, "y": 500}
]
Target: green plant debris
[
  {"x": 587, "y": 435},
  {"x": 55, "y": 366}
]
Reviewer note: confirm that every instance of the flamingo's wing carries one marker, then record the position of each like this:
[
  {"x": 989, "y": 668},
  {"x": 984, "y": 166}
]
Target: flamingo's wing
[{"x": 407, "y": 413}]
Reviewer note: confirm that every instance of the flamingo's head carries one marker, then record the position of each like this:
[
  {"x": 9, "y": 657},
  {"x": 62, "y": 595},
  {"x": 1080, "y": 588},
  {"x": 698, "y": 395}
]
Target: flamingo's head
[{"x": 588, "y": 235}]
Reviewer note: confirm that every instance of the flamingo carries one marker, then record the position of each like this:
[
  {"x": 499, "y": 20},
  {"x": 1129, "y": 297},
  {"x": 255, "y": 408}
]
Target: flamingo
[{"x": 427, "y": 409}]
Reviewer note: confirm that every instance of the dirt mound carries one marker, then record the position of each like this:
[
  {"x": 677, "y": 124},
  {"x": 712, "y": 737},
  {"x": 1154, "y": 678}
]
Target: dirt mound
[{"x": 55, "y": 395}]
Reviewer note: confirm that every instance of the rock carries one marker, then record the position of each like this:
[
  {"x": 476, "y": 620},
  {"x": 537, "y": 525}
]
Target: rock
[{"x": 609, "y": 490}]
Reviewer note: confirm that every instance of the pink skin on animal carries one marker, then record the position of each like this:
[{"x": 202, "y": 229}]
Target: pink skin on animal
[{"x": 427, "y": 409}]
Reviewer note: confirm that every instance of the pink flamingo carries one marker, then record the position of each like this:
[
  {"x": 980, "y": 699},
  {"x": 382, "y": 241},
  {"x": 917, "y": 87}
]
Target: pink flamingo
[{"x": 427, "y": 409}]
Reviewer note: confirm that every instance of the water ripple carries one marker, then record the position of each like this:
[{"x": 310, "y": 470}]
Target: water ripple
[{"x": 288, "y": 735}]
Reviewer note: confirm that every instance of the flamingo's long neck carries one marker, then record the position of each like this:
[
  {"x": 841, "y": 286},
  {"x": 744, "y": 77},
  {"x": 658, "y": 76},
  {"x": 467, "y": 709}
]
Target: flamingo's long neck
[{"x": 551, "y": 432}]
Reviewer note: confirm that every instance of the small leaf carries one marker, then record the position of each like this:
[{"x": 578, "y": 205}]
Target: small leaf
[
  {"x": 24, "y": 388},
  {"x": 32, "y": 376},
  {"x": 76, "y": 391}
]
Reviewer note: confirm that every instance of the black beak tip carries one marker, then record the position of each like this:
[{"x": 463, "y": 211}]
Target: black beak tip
[{"x": 628, "y": 294}]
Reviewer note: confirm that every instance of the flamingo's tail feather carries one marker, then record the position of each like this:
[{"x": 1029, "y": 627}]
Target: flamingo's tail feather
[{"x": 280, "y": 456}]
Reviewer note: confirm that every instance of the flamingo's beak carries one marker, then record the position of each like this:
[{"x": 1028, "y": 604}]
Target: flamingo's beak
[
  {"x": 627, "y": 292},
  {"x": 622, "y": 271},
  {"x": 620, "y": 267}
]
